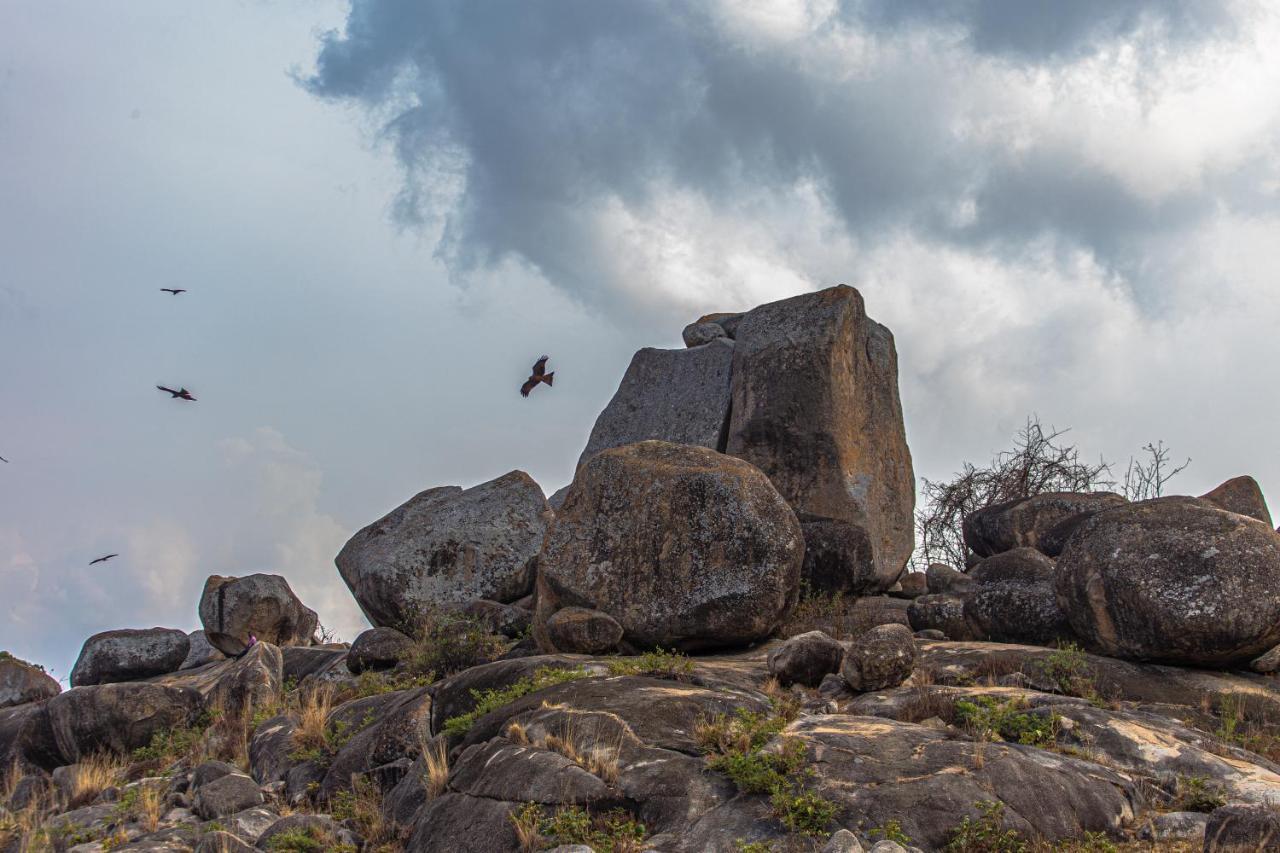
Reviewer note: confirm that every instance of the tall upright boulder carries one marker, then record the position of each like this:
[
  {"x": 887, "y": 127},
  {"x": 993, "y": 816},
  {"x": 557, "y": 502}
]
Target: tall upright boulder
[
  {"x": 262, "y": 606},
  {"x": 815, "y": 407},
  {"x": 676, "y": 395},
  {"x": 1175, "y": 580},
  {"x": 448, "y": 547},
  {"x": 683, "y": 547}
]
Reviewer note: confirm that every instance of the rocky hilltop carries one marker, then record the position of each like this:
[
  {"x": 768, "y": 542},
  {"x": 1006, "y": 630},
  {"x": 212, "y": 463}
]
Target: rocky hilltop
[{"x": 707, "y": 642}]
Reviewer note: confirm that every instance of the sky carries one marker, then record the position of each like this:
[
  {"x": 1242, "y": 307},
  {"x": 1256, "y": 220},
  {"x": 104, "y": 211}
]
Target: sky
[{"x": 385, "y": 210}]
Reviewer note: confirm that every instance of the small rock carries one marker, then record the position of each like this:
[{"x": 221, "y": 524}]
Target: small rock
[
  {"x": 943, "y": 613},
  {"x": 1266, "y": 662},
  {"x": 582, "y": 631},
  {"x": 843, "y": 841},
  {"x": 378, "y": 649},
  {"x": 1027, "y": 521},
  {"x": 883, "y": 657},
  {"x": 1242, "y": 829},
  {"x": 833, "y": 686},
  {"x": 209, "y": 771},
  {"x": 887, "y": 846},
  {"x": 223, "y": 842},
  {"x": 226, "y": 795},
  {"x": 805, "y": 659},
  {"x": 201, "y": 651},
  {"x": 697, "y": 334},
  {"x": 509, "y": 620},
  {"x": 931, "y": 634},
  {"x": 911, "y": 585},
  {"x": 1175, "y": 826},
  {"x": 941, "y": 578}
]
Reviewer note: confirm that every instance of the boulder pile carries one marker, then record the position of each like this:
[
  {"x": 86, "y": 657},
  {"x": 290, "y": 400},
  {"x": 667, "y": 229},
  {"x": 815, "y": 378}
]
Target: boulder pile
[{"x": 708, "y": 645}]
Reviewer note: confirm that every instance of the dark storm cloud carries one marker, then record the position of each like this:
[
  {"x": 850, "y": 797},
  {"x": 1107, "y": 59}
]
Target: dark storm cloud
[{"x": 517, "y": 122}]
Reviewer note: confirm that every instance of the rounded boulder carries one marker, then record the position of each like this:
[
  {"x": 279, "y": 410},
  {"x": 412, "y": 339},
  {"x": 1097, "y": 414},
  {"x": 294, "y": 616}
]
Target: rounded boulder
[
  {"x": 1174, "y": 580},
  {"x": 129, "y": 655},
  {"x": 684, "y": 547},
  {"x": 232, "y": 609}
]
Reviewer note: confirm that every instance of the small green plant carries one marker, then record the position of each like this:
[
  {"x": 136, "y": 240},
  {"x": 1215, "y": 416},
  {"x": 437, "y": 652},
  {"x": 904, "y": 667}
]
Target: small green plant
[
  {"x": 611, "y": 832},
  {"x": 761, "y": 772},
  {"x": 741, "y": 846},
  {"x": 335, "y": 737},
  {"x": 804, "y": 812},
  {"x": 657, "y": 664},
  {"x": 308, "y": 839},
  {"x": 491, "y": 700},
  {"x": 741, "y": 731},
  {"x": 1198, "y": 794},
  {"x": 986, "y": 834},
  {"x": 891, "y": 830},
  {"x": 171, "y": 744},
  {"x": 1068, "y": 669},
  {"x": 446, "y": 641},
  {"x": 1008, "y": 720}
]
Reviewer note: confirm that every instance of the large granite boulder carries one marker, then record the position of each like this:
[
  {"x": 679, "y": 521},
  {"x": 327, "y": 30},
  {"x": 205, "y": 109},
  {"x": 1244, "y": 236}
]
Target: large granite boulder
[
  {"x": 1241, "y": 495},
  {"x": 118, "y": 717},
  {"x": 200, "y": 651},
  {"x": 815, "y": 406},
  {"x": 1175, "y": 580},
  {"x": 1026, "y": 522},
  {"x": 1014, "y": 599},
  {"x": 838, "y": 557},
  {"x": 232, "y": 609},
  {"x": 684, "y": 547},
  {"x": 447, "y": 547},
  {"x": 676, "y": 395},
  {"x": 22, "y": 682},
  {"x": 129, "y": 654}
]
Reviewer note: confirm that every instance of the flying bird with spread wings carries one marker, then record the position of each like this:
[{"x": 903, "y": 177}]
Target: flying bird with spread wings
[
  {"x": 2, "y": 459},
  {"x": 174, "y": 290},
  {"x": 102, "y": 559},
  {"x": 539, "y": 375},
  {"x": 180, "y": 394}
]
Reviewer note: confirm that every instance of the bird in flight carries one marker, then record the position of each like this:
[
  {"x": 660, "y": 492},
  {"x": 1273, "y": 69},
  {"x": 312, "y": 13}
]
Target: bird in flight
[
  {"x": 103, "y": 559},
  {"x": 174, "y": 290},
  {"x": 539, "y": 375},
  {"x": 180, "y": 394},
  {"x": 2, "y": 459}
]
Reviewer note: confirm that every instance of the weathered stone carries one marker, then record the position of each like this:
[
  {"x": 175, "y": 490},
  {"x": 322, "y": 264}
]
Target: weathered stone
[
  {"x": 941, "y": 578},
  {"x": 310, "y": 662},
  {"x": 1241, "y": 495},
  {"x": 684, "y": 547},
  {"x": 1026, "y": 521},
  {"x": 329, "y": 833},
  {"x": 221, "y": 841},
  {"x": 697, "y": 334},
  {"x": 206, "y": 771},
  {"x": 447, "y": 547},
  {"x": 1174, "y": 826},
  {"x": 1242, "y": 829},
  {"x": 806, "y": 659},
  {"x": 1173, "y": 579},
  {"x": 910, "y": 585},
  {"x": 252, "y": 682},
  {"x": 22, "y": 682},
  {"x": 838, "y": 557},
  {"x": 263, "y": 606},
  {"x": 1013, "y": 599},
  {"x": 378, "y": 648},
  {"x": 117, "y": 717},
  {"x": 675, "y": 395},
  {"x": 1267, "y": 662},
  {"x": 129, "y": 654},
  {"x": 26, "y": 737},
  {"x": 843, "y": 841},
  {"x": 815, "y": 406},
  {"x": 456, "y": 823},
  {"x": 582, "y": 631},
  {"x": 509, "y": 620},
  {"x": 271, "y": 748},
  {"x": 200, "y": 651},
  {"x": 725, "y": 320},
  {"x": 943, "y": 613},
  {"x": 883, "y": 657}
]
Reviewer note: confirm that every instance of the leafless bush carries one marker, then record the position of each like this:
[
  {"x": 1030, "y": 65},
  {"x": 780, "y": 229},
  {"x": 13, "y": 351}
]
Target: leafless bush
[
  {"x": 1039, "y": 462},
  {"x": 1145, "y": 480}
]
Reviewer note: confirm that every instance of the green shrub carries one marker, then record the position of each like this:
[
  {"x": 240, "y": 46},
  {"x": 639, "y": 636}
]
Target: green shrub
[
  {"x": 445, "y": 642},
  {"x": 1197, "y": 794},
  {"x": 1009, "y": 720},
  {"x": 658, "y": 664},
  {"x": 761, "y": 772},
  {"x": 307, "y": 840},
  {"x": 986, "y": 834},
  {"x": 491, "y": 700},
  {"x": 1068, "y": 669},
  {"x": 891, "y": 830},
  {"x": 804, "y": 812},
  {"x": 614, "y": 831}
]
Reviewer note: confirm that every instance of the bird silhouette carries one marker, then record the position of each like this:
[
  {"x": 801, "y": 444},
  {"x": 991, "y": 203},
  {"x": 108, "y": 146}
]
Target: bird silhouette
[
  {"x": 539, "y": 375},
  {"x": 2, "y": 459},
  {"x": 174, "y": 290},
  {"x": 180, "y": 394},
  {"x": 102, "y": 559}
]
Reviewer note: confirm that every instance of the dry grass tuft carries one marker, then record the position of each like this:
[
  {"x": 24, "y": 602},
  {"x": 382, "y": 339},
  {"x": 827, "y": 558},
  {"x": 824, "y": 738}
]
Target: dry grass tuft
[
  {"x": 516, "y": 733},
  {"x": 312, "y": 732},
  {"x": 527, "y": 822},
  {"x": 436, "y": 757},
  {"x": 92, "y": 776}
]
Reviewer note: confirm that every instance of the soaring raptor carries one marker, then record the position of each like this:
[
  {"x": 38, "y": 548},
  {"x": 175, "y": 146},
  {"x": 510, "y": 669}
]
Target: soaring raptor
[{"x": 539, "y": 375}]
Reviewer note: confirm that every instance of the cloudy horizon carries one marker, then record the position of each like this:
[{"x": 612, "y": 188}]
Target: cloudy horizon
[{"x": 384, "y": 210}]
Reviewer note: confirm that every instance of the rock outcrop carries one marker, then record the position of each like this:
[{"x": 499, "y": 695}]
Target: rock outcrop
[
  {"x": 200, "y": 651},
  {"x": 683, "y": 547},
  {"x": 1241, "y": 495},
  {"x": 22, "y": 682},
  {"x": 815, "y": 406},
  {"x": 675, "y": 395},
  {"x": 1029, "y": 522},
  {"x": 117, "y": 717},
  {"x": 1175, "y": 580},
  {"x": 129, "y": 654},
  {"x": 232, "y": 609},
  {"x": 447, "y": 547}
]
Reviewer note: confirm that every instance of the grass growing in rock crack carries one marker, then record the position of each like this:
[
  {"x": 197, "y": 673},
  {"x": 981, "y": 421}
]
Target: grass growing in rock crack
[
  {"x": 362, "y": 808},
  {"x": 1009, "y": 720},
  {"x": 1237, "y": 727},
  {"x": 734, "y": 745},
  {"x": 1068, "y": 670},
  {"x": 445, "y": 642},
  {"x": 890, "y": 830},
  {"x": 987, "y": 834},
  {"x": 323, "y": 746},
  {"x": 614, "y": 831},
  {"x": 492, "y": 699},
  {"x": 1197, "y": 794},
  {"x": 655, "y": 664},
  {"x": 307, "y": 839},
  {"x": 435, "y": 756}
]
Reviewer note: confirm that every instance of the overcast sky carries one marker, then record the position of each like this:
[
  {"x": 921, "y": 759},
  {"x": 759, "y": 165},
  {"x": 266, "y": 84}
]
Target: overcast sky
[{"x": 384, "y": 210}]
